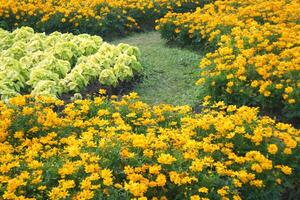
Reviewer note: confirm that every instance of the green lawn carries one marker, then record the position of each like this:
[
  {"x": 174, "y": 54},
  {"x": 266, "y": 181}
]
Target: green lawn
[{"x": 169, "y": 73}]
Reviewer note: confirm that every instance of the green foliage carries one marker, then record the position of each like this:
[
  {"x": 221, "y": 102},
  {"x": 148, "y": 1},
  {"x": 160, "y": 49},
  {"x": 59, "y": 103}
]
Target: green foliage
[{"x": 61, "y": 63}]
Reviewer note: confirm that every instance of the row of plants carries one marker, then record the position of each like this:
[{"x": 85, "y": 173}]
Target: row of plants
[
  {"x": 254, "y": 52},
  {"x": 59, "y": 63},
  {"x": 101, "y": 17},
  {"x": 126, "y": 149}
]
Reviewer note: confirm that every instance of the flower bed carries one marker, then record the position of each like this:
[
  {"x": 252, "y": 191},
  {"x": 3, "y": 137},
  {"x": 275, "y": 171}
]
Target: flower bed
[
  {"x": 95, "y": 149},
  {"x": 254, "y": 58},
  {"x": 61, "y": 63},
  {"x": 101, "y": 17}
]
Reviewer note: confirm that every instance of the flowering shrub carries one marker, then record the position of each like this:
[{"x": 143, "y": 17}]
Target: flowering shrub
[
  {"x": 90, "y": 16},
  {"x": 255, "y": 51},
  {"x": 61, "y": 63},
  {"x": 95, "y": 149}
]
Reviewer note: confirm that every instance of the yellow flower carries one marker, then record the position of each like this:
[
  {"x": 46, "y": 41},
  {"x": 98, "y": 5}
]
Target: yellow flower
[
  {"x": 166, "y": 159},
  {"x": 148, "y": 153},
  {"x": 19, "y": 134},
  {"x": 287, "y": 151},
  {"x": 230, "y": 84},
  {"x": 203, "y": 190},
  {"x": 285, "y": 96},
  {"x": 291, "y": 101},
  {"x": 102, "y": 91},
  {"x": 161, "y": 180},
  {"x": 154, "y": 169},
  {"x": 126, "y": 154},
  {"x": 237, "y": 197},
  {"x": 278, "y": 181},
  {"x": 136, "y": 189},
  {"x": 257, "y": 183},
  {"x": 278, "y": 86},
  {"x": 237, "y": 183},
  {"x": 267, "y": 93},
  {"x": 254, "y": 83},
  {"x": 288, "y": 90},
  {"x": 257, "y": 168},
  {"x": 67, "y": 169},
  {"x": 223, "y": 191},
  {"x": 286, "y": 170},
  {"x": 142, "y": 198},
  {"x": 117, "y": 185},
  {"x": 196, "y": 166},
  {"x": 195, "y": 197},
  {"x": 42, "y": 188},
  {"x": 207, "y": 98},
  {"x": 27, "y": 111},
  {"x": 272, "y": 148},
  {"x": 108, "y": 181},
  {"x": 106, "y": 173}
]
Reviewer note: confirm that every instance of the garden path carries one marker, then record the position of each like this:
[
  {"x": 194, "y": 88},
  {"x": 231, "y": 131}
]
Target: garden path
[{"x": 170, "y": 73}]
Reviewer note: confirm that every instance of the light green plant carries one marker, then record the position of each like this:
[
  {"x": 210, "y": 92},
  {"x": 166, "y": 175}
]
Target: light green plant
[{"x": 61, "y": 63}]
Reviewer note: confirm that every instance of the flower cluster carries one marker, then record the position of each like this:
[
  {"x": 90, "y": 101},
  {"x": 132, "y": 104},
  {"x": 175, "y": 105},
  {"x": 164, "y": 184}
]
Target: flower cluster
[
  {"x": 255, "y": 51},
  {"x": 104, "y": 17},
  {"x": 126, "y": 149}
]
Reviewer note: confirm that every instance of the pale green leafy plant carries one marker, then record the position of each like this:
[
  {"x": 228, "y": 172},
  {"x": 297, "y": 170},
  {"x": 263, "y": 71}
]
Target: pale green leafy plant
[{"x": 61, "y": 63}]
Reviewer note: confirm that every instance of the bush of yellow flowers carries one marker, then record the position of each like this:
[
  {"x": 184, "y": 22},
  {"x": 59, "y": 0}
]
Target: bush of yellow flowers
[
  {"x": 126, "y": 149},
  {"x": 254, "y": 51},
  {"x": 104, "y": 17}
]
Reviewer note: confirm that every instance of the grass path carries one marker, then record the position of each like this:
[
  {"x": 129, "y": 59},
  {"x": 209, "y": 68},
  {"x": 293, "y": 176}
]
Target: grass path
[{"x": 170, "y": 73}]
